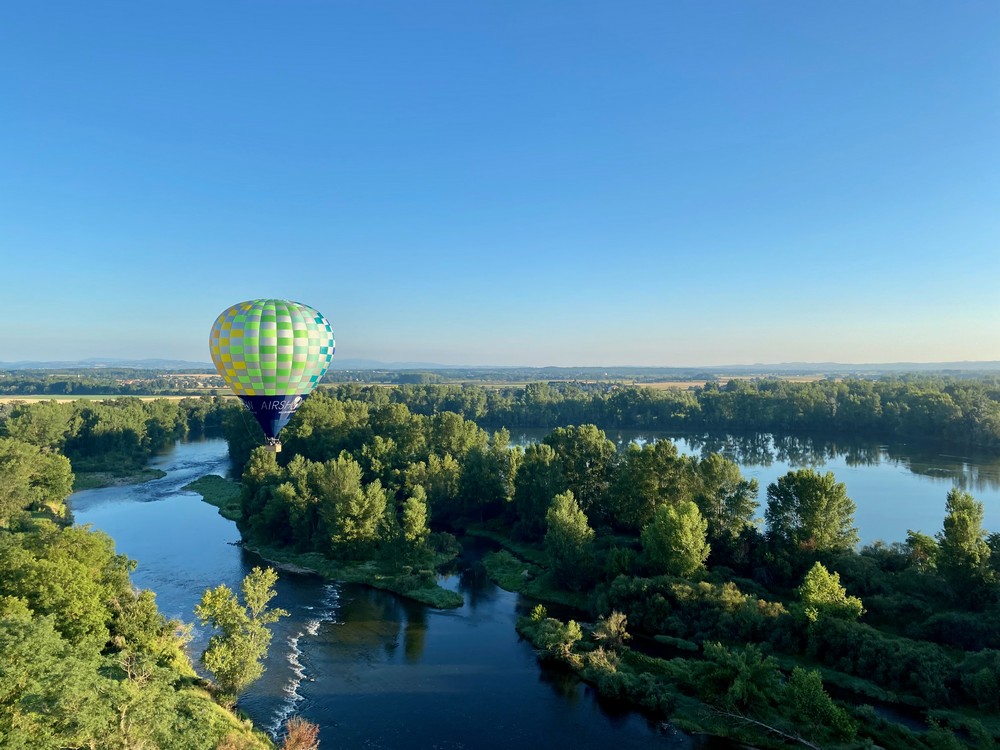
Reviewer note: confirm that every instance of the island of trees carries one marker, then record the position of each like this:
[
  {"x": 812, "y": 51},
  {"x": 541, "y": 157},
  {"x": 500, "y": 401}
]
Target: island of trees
[{"x": 774, "y": 633}]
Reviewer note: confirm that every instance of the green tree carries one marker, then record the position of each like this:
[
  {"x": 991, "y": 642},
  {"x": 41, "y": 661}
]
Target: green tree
[
  {"x": 487, "y": 478},
  {"x": 809, "y": 509},
  {"x": 31, "y": 479},
  {"x": 921, "y": 550},
  {"x": 569, "y": 541},
  {"x": 68, "y": 573},
  {"x": 813, "y": 710},
  {"x": 43, "y": 424},
  {"x": 649, "y": 476},
  {"x": 50, "y": 691},
  {"x": 741, "y": 679},
  {"x": 414, "y": 518},
  {"x": 235, "y": 654},
  {"x": 611, "y": 630},
  {"x": 963, "y": 553},
  {"x": 586, "y": 456},
  {"x": 674, "y": 540},
  {"x": 539, "y": 479},
  {"x": 349, "y": 510},
  {"x": 822, "y": 595},
  {"x": 440, "y": 478},
  {"x": 726, "y": 500}
]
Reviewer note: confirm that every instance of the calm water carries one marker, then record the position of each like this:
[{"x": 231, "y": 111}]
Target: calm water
[
  {"x": 896, "y": 486},
  {"x": 376, "y": 671}
]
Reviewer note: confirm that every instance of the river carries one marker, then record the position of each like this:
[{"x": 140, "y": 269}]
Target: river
[
  {"x": 377, "y": 671},
  {"x": 372, "y": 669}
]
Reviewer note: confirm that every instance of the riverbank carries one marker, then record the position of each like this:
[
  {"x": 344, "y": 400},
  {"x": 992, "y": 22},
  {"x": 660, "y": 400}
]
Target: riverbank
[
  {"x": 416, "y": 583},
  {"x": 95, "y": 480}
]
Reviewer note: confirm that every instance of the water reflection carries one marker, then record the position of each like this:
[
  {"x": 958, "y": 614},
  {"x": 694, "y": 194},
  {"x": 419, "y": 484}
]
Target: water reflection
[
  {"x": 896, "y": 486},
  {"x": 415, "y": 634},
  {"x": 970, "y": 469}
]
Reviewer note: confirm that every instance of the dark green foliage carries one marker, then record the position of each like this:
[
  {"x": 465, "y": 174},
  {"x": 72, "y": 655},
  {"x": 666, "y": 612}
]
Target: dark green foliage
[
  {"x": 743, "y": 680},
  {"x": 569, "y": 541},
  {"x": 726, "y": 500},
  {"x": 586, "y": 457},
  {"x": 806, "y": 509},
  {"x": 810, "y": 705},
  {"x": 980, "y": 675},
  {"x": 539, "y": 479},
  {"x": 697, "y": 612},
  {"x": 904, "y": 666},
  {"x": 647, "y": 477},
  {"x": 116, "y": 435},
  {"x": 31, "y": 478},
  {"x": 965, "y": 410},
  {"x": 963, "y": 554},
  {"x": 674, "y": 539}
]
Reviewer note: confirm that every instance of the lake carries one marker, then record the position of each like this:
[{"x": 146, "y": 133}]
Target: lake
[{"x": 896, "y": 486}]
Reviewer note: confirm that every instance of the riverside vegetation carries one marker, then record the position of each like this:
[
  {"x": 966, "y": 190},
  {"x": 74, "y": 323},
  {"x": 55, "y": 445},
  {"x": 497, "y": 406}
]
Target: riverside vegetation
[
  {"x": 786, "y": 633},
  {"x": 775, "y": 635},
  {"x": 86, "y": 660}
]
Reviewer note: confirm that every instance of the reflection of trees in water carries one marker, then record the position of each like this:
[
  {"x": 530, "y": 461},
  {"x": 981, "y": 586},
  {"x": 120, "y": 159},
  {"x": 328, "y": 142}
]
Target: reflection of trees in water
[
  {"x": 807, "y": 451},
  {"x": 415, "y": 634},
  {"x": 562, "y": 680},
  {"x": 970, "y": 473},
  {"x": 475, "y": 585},
  {"x": 746, "y": 450},
  {"x": 973, "y": 472},
  {"x": 376, "y": 620},
  {"x": 372, "y": 620}
]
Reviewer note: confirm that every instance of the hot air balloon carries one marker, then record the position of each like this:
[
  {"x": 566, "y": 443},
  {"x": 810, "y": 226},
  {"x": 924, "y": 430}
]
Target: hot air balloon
[{"x": 272, "y": 353}]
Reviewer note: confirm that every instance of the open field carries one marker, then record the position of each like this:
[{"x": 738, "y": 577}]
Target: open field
[
  {"x": 94, "y": 397},
  {"x": 674, "y": 385},
  {"x": 722, "y": 379}
]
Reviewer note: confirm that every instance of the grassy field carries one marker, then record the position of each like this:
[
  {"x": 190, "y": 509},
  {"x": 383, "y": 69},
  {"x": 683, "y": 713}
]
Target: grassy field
[{"x": 100, "y": 397}]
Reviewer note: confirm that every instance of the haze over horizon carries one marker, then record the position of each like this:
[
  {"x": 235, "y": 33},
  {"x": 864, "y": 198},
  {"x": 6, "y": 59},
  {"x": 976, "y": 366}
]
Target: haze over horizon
[{"x": 501, "y": 184}]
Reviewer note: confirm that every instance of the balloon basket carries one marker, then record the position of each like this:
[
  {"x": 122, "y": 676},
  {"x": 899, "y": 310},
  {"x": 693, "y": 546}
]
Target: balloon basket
[{"x": 274, "y": 447}]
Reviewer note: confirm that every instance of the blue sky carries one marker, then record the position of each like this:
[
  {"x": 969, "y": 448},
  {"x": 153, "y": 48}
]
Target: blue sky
[{"x": 540, "y": 183}]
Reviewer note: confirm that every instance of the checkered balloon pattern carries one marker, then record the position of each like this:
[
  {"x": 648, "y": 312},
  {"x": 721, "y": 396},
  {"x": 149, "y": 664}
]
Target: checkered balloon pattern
[{"x": 271, "y": 347}]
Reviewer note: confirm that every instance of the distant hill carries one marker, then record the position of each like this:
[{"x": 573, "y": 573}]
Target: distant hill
[
  {"x": 780, "y": 368},
  {"x": 110, "y": 362}
]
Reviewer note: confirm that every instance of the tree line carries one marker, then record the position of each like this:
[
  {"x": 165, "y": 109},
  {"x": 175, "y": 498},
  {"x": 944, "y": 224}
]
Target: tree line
[
  {"x": 110, "y": 435},
  {"x": 959, "y": 410}
]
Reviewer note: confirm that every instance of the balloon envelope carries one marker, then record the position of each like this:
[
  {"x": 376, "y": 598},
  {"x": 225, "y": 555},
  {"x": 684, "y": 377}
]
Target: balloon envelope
[{"x": 272, "y": 353}]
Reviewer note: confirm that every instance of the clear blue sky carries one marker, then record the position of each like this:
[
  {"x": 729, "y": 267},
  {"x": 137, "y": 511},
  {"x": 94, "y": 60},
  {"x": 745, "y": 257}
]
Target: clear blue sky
[{"x": 564, "y": 183}]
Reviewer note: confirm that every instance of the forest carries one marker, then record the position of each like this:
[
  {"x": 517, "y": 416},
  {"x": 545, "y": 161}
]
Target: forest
[{"x": 773, "y": 633}]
